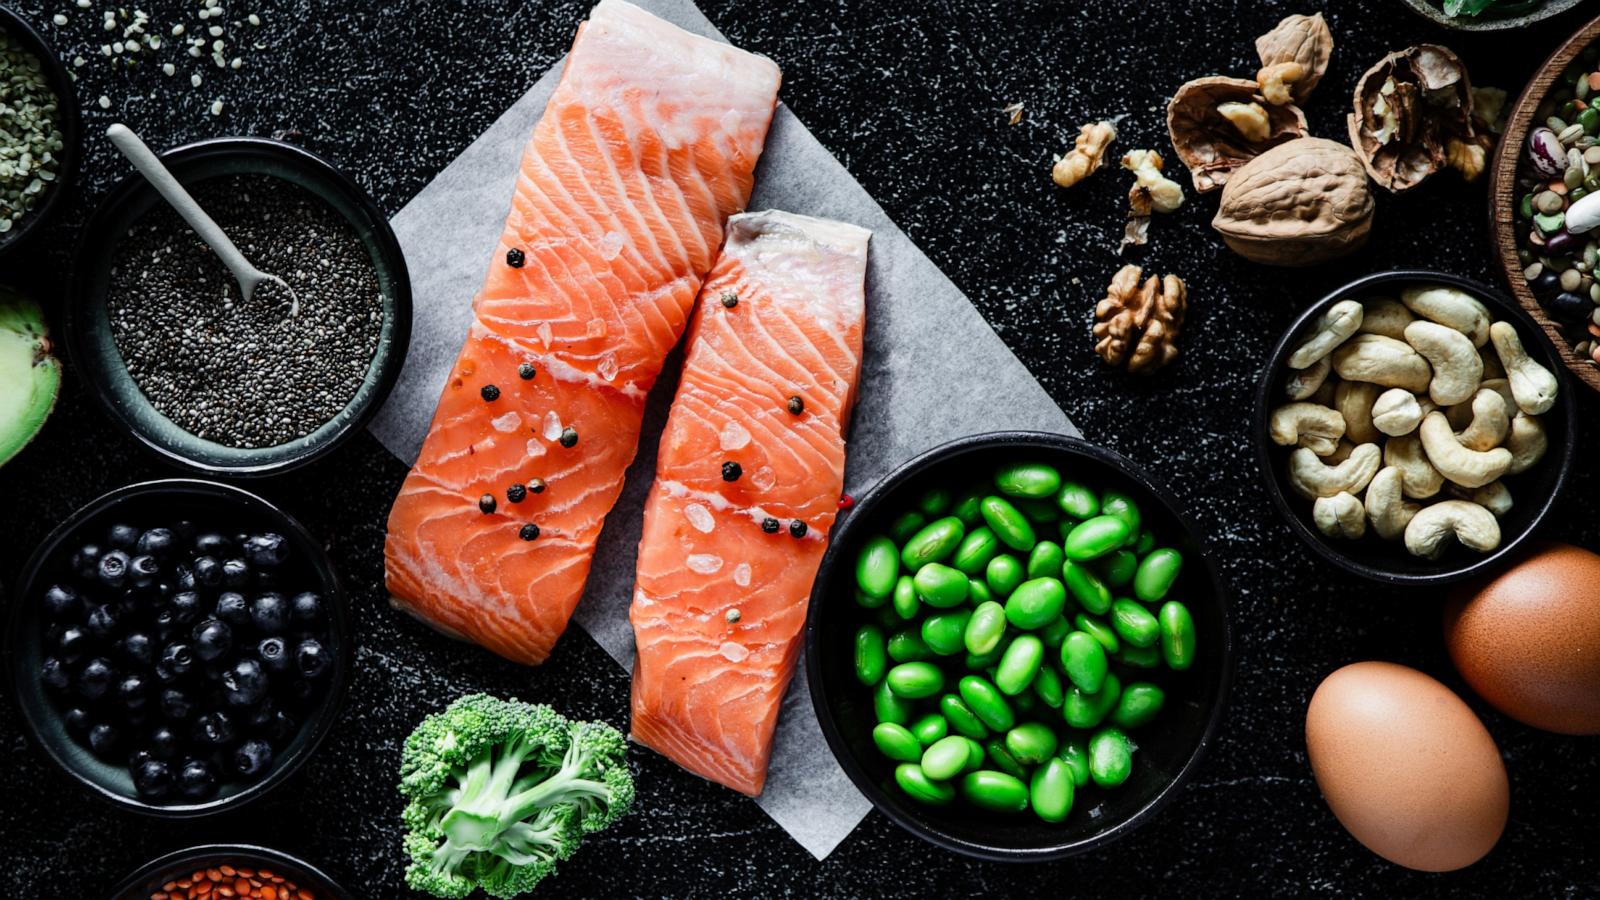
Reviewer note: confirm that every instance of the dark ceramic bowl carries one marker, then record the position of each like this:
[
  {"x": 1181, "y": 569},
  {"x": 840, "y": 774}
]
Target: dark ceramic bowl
[
  {"x": 203, "y": 502},
  {"x": 95, "y": 352},
  {"x": 70, "y": 121},
  {"x": 1169, "y": 750},
  {"x": 1518, "y": 14},
  {"x": 1533, "y": 491},
  {"x": 184, "y": 863}
]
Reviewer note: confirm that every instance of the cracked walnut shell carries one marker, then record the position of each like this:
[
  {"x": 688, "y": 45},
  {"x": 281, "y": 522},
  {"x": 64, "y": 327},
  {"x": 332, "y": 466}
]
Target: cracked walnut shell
[
  {"x": 1218, "y": 124},
  {"x": 1302, "y": 40},
  {"x": 1409, "y": 108},
  {"x": 1136, "y": 326}
]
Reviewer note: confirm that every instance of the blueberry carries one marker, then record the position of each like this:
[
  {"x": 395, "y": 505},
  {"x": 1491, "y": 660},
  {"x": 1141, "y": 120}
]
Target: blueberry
[
  {"x": 95, "y": 679},
  {"x": 86, "y": 561},
  {"x": 236, "y": 573},
  {"x": 212, "y": 544},
  {"x": 1569, "y": 307},
  {"x": 138, "y": 756},
  {"x": 306, "y": 608},
  {"x": 133, "y": 692},
  {"x": 233, "y": 608},
  {"x": 77, "y": 721},
  {"x": 197, "y": 780},
  {"x": 122, "y": 537},
  {"x": 245, "y": 683},
  {"x": 113, "y": 569},
  {"x": 177, "y": 659},
  {"x": 163, "y": 742},
  {"x": 273, "y": 653},
  {"x": 53, "y": 673},
  {"x": 152, "y": 778},
  {"x": 269, "y": 613},
  {"x": 73, "y": 643},
  {"x": 143, "y": 571},
  {"x": 213, "y": 729},
  {"x": 138, "y": 648},
  {"x": 175, "y": 704},
  {"x": 311, "y": 658},
  {"x": 207, "y": 571},
  {"x": 157, "y": 542},
  {"x": 103, "y": 739},
  {"x": 183, "y": 578},
  {"x": 266, "y": 549},
  {"x": 62, "y": 603},
  {"x": 253, "y": 758},
  {"x": 102, "y": 621},
  {"x": 186, "y": 607},
  {"x": 212, "y": 639}
]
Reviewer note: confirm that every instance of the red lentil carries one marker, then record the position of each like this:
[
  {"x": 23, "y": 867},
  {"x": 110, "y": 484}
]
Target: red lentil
[{"x": 232, "y": 881}]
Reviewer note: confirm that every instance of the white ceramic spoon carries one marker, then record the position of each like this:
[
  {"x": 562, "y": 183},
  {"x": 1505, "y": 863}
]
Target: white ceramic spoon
[{"x": 123, "y": 138}]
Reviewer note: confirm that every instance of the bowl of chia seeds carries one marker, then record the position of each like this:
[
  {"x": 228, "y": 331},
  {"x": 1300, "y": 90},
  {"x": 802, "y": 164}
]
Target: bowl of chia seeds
[
  {"x": 39, "y": 142},
  {"x": 211, "y": 382}
]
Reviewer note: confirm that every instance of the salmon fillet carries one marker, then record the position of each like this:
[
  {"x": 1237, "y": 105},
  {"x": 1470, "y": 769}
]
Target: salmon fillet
[
  {"x": 647, "y": 146},
  {"x": 720, "y": 600}
]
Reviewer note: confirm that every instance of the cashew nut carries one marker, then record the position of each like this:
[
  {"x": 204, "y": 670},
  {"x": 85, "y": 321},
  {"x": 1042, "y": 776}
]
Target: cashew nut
[
  {"x": 1494, "y": 496},
  {"x": 1386, "y": 317},
  {"x": 1469, "y": 523},
  {"x": 1422, "y": 480},
  {"x": 1312, "y": 479},
  {"x": 1338, "y": 323},
  {"x": 1527, "y": 443},
  {"x": 1382, "y": 360},
  {"x": 1339, "y": 516},
  {"x": 1489, "y": 424},
  {"x": 1323, "y": 395},
  {"x": 1397, "y": 412},
  {"x": 1456, "y": 366},
  {"x": 1303, "y": 383},
  {"x": 1468, "y": 468},
  {"x": 1314, "y": 427},
  {"x": 1533, "y": 386},
  {"x": 1386, "y": 505},
  {"x": 1451, "y": 307},
  {"x": 1354, "y": 400}
]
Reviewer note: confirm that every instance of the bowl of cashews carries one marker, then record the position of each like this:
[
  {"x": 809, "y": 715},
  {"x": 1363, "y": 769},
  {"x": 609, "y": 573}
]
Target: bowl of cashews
[{"x": 1414, "y": 427}]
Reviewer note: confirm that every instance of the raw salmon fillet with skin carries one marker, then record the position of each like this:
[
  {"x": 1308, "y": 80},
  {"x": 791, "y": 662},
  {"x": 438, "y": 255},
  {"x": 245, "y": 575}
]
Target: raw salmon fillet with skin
[
  {"x": 646, "y": 148},
  {"x": 706, "y": 690}
]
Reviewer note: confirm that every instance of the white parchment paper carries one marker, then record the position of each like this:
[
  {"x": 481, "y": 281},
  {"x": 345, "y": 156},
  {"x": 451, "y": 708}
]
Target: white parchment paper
[{"x": 922, "y": 336}]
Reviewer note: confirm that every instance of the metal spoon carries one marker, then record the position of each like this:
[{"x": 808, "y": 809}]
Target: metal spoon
[{"x": 249, "y": 277}]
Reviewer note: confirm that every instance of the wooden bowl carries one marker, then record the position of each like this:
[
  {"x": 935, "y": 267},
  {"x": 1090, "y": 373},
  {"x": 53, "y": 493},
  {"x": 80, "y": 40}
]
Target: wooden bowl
[{"x": 1503, "y": 192}]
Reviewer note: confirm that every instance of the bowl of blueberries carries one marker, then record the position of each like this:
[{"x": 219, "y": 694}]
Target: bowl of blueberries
[{"x": 179, "y": 646}]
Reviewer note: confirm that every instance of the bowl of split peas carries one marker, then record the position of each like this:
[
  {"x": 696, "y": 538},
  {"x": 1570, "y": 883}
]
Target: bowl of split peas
[{"x": 1018, "y": 646}]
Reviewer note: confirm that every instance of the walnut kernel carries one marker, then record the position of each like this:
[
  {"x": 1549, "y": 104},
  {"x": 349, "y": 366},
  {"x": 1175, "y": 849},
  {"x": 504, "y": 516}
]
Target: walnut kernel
[
  {"x": 1086, "y": 154},
  {"x": 1136, "y": 325},
  {"x": 1277, "y": 81},
  {"x": 1249, "y": 118}
]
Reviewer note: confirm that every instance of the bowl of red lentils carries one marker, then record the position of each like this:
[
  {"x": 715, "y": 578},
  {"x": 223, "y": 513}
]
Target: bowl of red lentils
[{"x": 228, "y": 870}]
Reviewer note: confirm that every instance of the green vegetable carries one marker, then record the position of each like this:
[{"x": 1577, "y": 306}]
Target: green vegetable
[
  {"x": 930, "y": 728},
  {"x": 934, "y": 542},
  {"x": 961, "y": 717},
  {"x": 896, "y": 742},
  {"x": 1123, "y": 507},
  {"x": 1045, "y": 559},
  {"x": 1033, "y": 480},
  {"x": 877, "y": 567},
  {"x": 995, "y": 751},
  {"x": 1138, "y": 705},
  {"x": 915, "y": 680},
  {"x": 871, "y": 655},
  {"x": 888, "y": 707},
  {"x": 1084, "y": 710},
  {"x": 940, "y": 586},
  {"x": 1177, "y": 635},
  {"x": 1110, "y": 757},
  {"x": 1117, "y": 569},
  {"x": 907, "y": 645},
  {"x": 1098, "y": 630},
  {"x": 986, "y": 702},
  {"x": 1019, "y": 665},
  {"x": 920, "y": 787},
  {"x": 906, "y": 602},
  {"x": 946, "y": 758},
  {"x": 976, "y": 549},
  {"x": 1050, "y": 791},
  {"x": 906, "y": 527},
  {"x": 1076, "y": 758},
  {"x": 1096, "y": 537},
  {"x": 1035, "y": 603},
  {"x": 1086, "y": 587},
  {"x": 1134, "y": 623},
  {"x": 499, "y": 791},
  {"x": 934, "y": 502},
  {"x": 1047, "y": 687},
  {"x": 996, "y": 791},
  {"x": 1008, "y": 523},
  {"x": 1156, "y": 574},
  {"x": 1077, "y": 501},
  {"x": 1031, "y": 743},
  {"x": 985, "y": 629},
  {"x": 945, "y": 632},
  {"x": 1083, "y": 661},
  {"x": 30, "y": 378},
  {"x": 1003, "y": 574}
]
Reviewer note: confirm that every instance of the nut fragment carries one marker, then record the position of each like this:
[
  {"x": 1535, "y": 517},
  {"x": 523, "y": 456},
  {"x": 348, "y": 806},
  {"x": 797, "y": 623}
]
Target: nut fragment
[
  {"x": 1408, "y": 108},
  {"x": 1151, "y": 191},
  {"x": 1276, "y": 81},
  {"x": 1249, "y": 119},
  {"x": 1300, "y": 203},
  {"x": 1087, "y": 152},
  {"x": 1218, "y": 124},
  {"x": 1136, "y": 325},
  {"x": 1303, "y": 40}
]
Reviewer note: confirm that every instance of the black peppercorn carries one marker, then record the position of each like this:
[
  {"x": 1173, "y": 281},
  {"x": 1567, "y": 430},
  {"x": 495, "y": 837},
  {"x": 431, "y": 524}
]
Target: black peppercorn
[
  {"x": 515, "y": 257},
  {"x": 730, "y": 300},
  {"x": 536, "y": 485},
  {"x": 490, "y": 393},
  {"x": 731, "y": 471},
  {"x": 486, "y": 503},
  {"x": 797, "y": 405},
  {"x": 569, "y": 437},
  {"x": 797, "y": 528},
  {"x": 528, "y": 532},
  {"x": 516, "y": 493},
  {"x": 769, "y": 525},
  {"x": 526, "y": 371}
]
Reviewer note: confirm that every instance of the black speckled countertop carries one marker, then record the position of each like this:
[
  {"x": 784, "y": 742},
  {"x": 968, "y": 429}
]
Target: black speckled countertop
[{"x": 910, "y": 102}]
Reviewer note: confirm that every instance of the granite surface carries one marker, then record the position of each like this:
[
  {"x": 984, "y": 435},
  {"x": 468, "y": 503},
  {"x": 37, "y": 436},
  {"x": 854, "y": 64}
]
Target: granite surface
[{"x": 910, "y": 102}]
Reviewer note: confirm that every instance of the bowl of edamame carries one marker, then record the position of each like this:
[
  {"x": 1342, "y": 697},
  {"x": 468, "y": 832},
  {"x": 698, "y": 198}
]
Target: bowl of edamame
[{"x": 1018, "y": 646}]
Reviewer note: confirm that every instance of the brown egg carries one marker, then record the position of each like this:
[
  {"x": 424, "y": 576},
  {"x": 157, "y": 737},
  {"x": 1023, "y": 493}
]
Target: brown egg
[
  {"x": 1406, "y": 767},
  {"x": 1528, "y": 641}
]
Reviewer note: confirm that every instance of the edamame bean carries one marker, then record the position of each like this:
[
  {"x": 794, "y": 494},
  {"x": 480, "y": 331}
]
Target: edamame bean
[
  {"x": 1000, "y": 758},
  {"x": 1046, "y": 558},
  {"x": 1047, "y": 687},
  {"x": 975, "y": 756},
  {"x": 934, "y": 542},
  {"x": 906, "y": 526},
  {"x": 1076, "y": 758},
  {"x": 1177, "y": 635},
  {"x": 1035, "y": 603},
  {"x": 1055, "y": 631},
  {"x": 877, "y": 567},
  {"x": 998, "y": 791},
  {"x": 906, "y": 602},
  {"x": 907, "y": 645},
  {"x": 1031, "y": 743},
  {"x": 867, "y": 601},
  {"x": 962, "y": 719},
  {"x": 1086, "y": 587},
  {"x": 1003, "y": 574},
  {"x": 1007, "y": 523},
  {"x": 1139, "y": 703},
  {"x": 1094, "y": 538},
  {"x": 1117, "y": 568},
  {"x": 934, "y": 502},
  {"x": 1050, "y": 791},
  {"x": 1098, "y": 630},
  {"x": 895, "y": 742},
  {"x": 943, "y": 632},
  {"x": 940, "y": 586},
  {"x": 980, "y": 662},
  {"x": 872, "y": 657},
  {"x": 1027, "y": 479},
  {"x": 1115, "y": 503},
  {"x": 1083, "y": 661},
  {"x": 1145, "y": 543},
  {"x": 929, "y": 728},
  {"x": 986, "y": 702},
  {"x": 946, "y": 758},
  {"x": 1140, "y": 657},
  {"x": 919, "y": 787},
  {"x": 966, "y": 508},
  {"x": 1156, "y": 574},
  {"x": 888, "y": 707},
  {"x": 978, "y": 591},
  {"x": 1084, "y": 710},
  {"x": 915, "y": 680},
  {"x": 976, "y": 549},
  {"x": 985, "y": 629},
  {"x": 1134, "y": 623},
  {"x": 1019, "y": 665},
  {"x": 1077, "y": 501},
  {"x": 1110, "y": 757}
]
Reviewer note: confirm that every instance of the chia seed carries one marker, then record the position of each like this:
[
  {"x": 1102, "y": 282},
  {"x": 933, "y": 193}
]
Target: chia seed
[{"x": 246, "y": 375}]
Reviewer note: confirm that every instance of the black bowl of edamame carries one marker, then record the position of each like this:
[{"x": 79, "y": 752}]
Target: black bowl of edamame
[
  {"x": 1434, "y": 465},
  {"x": 1018, "y": 647}
]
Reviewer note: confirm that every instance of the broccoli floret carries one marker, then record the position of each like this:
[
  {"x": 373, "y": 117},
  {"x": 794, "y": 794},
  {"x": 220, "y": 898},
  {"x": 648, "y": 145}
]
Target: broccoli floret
[{"x": 500, "y": 791}]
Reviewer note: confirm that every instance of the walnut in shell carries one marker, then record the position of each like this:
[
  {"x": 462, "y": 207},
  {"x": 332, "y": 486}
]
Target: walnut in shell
[
  {"x": 1408, "y": 109},
  {"x": 1300, "y": 203},
  {"x": 1302, "y": 40},
  {"x": 1213, "y": 139},
  {"x": 1136, "y": 326}
]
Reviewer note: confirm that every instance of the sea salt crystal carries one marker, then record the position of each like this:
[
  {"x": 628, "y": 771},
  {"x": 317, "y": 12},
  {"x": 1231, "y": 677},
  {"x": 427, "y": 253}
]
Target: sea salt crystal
[
  {"x": 544, "y": 333},
  {"x": 734, "y": 436},
  {"x": 596, "y": 327},
  {"x": 763, "y": 478},
  {"x": 508, "y": 423},
  {"x": 552, "y": 426},
  {"x": 535, "y": 448},
  {"x": 704, "y": 563},
  {"x": 607, "y": 367},
  {"x": 733, "y": 652},
  {"x": 611, "y": 244},
  {"x": 741, "y": 574},
  {"x": 700, "y": 518}
]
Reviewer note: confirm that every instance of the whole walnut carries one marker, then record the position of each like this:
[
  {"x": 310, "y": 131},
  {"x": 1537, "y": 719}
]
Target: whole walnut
[
  {"x": 1136, "y": 326},
  {"x": 1299, "y": 203}
]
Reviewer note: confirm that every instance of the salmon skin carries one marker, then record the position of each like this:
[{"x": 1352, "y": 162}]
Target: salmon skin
[
  {"x": 728, "y": 555},
  {"x": 647, "y": 146}
]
